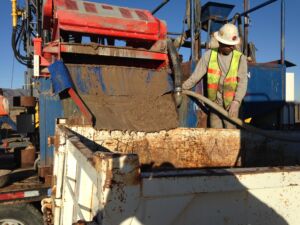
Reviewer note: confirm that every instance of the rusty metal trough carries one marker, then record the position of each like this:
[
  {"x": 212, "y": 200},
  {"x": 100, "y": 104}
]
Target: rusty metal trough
[{"x": 196, "y": 148}]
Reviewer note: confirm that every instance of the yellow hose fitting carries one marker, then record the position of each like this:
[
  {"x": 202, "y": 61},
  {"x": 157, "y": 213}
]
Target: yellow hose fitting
[{"x": 14, "y": 13}]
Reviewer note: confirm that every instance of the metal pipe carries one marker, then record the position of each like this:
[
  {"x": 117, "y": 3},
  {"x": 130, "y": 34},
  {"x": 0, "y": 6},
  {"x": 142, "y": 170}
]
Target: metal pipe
[
  {"x": 208, "y": 32},
  {"x": 200, "y": 29},
  {"x": 28, "y": 39},
  {"x": 174, "y": 33},
  {"x": 282, "y": 52},
  {"x": 39, "y": 18},
  {"x": 240, "y": 29},
  {"x": 159, "y": 6},
  {"x": 192, "y": 14},
  {"x": 246, "y": 27},
  {"x": 255, "y": 8}
]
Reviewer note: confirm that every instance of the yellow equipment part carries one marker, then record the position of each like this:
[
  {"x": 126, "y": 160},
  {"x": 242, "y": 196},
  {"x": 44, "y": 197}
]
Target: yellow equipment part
[
  {"x": 36, "y": 116},
  {"x": 15, "y": 12},
  {"x": 248, "y": 120}
]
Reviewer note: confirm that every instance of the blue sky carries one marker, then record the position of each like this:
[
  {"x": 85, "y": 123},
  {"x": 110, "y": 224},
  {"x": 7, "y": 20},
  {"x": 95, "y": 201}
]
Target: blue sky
[{"x": 264, "y": 32}]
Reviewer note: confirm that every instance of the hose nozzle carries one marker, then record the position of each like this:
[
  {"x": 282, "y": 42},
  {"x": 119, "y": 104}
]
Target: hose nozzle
[{"x": 178, "y": 96}]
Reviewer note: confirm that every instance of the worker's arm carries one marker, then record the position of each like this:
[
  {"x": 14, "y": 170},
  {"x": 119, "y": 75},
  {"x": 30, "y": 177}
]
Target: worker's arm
[
  {"x": 199, "y": 72},
  {"x": 243, "y": 80}
]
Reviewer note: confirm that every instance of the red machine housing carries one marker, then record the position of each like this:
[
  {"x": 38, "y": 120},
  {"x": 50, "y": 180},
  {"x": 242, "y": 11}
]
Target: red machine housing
[
  {"x": 102, "y": 19},
  {"x": 83, "y": 33},
  {"x": 144, "y": 35}
]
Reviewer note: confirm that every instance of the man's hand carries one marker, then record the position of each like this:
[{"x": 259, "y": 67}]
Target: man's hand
[{"x": 233, "y": 109}]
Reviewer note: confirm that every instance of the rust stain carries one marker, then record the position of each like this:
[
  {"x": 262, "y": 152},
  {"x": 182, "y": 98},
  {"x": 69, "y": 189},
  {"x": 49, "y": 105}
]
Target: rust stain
[
  {"x": 125, "y": 52},
  {"x": 179, "y": 148},
  {"x": 24, "y": 101},
  {"x": 198, "y": 148}
]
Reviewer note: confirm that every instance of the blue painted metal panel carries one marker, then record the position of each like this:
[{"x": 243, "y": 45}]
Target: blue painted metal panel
[
  {"x": 60, "y": 76},
  {"x": 50, "y": 109},
  {"x": 215, "y": 10},
  {"x": 189, "y": 117},
  {"x": 266, "y": 89}
]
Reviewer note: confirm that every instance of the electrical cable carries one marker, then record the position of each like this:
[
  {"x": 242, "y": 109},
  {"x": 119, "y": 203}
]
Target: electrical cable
[
  {"x": 12, "y": 73},
  {"x": 18, "y": 35}
]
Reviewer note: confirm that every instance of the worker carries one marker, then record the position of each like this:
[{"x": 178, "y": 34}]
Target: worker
[
  {"x": 4, "y": 112},
  {"x": 227, "y": 79}
]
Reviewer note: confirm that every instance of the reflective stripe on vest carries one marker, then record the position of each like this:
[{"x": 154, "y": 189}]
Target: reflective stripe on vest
[{"x": 230, "y": 81}]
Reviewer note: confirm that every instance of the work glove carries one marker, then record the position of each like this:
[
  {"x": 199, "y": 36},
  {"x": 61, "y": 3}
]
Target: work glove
[{"x": 233, "y": 109}]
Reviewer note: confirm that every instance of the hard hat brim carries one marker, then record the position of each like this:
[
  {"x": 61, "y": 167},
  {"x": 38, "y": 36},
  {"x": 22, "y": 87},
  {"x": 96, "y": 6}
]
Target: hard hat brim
[{"x": 226, "y": 42}]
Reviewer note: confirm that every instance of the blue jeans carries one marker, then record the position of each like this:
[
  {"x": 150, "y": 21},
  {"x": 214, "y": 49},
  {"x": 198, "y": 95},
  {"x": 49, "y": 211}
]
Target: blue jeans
[{"x": 9, "y": 121}]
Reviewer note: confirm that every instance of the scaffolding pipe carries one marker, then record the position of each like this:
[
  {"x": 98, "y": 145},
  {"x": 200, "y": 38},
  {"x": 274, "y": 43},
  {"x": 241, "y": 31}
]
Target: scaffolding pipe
[
  {"x": 192, "y": 14},
  {"x": 282, "y": 44},
  {"x": 159, "y": 6},
  {"x": 255, "y": 8},
  {"x": 246, "y": 27}
]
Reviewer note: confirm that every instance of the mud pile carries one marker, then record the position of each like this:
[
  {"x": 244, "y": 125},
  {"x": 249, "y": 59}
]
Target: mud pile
[{"x": 125, "y": 98}]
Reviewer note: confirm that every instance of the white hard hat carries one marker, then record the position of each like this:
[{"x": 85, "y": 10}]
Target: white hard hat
[{"x": 228, "y": 34}]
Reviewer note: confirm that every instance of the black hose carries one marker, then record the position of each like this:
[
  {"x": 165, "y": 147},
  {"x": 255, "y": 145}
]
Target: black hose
[
  {"x": 159, "y": 6},
  {"x": 178, "y": 73},
  {"x": 14, "y": 42},
  {"x": 239, "y": 122}
]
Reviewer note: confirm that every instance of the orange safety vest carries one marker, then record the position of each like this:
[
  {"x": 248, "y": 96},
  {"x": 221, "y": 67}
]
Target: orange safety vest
[
  {"x": 3, "y": 108},
  {"x": 231, "y": 80}
]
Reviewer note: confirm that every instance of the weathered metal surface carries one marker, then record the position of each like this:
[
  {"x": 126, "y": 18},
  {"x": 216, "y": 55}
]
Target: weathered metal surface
[
  {"x": 22, "y": 180},
  {"x": 110, "y": 187},
  {"x": 192, "y": 148},
  {"x": 125, "y": 98},
  {"x": 112, "y": 51},
  {"x": 45, "y": 171},
  {"x": 50, "y": 108},
  {"x": 46, "y": 208},
  {"x": 4, "y": 176},
  {"x": 28, "y": 156},
  {"x": 24, "y": 101}
]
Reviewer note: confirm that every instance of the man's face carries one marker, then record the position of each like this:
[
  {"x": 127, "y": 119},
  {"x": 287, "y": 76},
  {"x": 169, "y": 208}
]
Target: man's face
[{"x": 225, "y": 49}]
